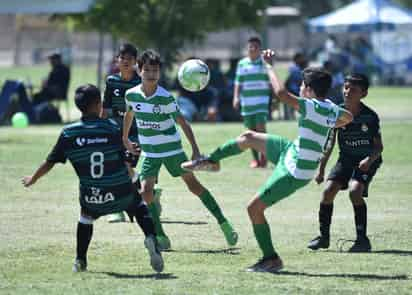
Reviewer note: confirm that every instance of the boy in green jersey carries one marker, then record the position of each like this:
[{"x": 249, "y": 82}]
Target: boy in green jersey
[
  {"x": 296, "y": 162},
  {"x": 252, "y": 93},
  {"x": 94, "y": 148},
  {"x": 157, "y": 113}
]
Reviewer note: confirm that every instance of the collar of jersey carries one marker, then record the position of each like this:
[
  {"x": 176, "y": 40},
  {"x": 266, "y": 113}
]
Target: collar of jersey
[{"x": 144, "y": 95}]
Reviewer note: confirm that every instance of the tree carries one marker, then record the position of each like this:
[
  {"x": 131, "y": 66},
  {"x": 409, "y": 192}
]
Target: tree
[{"x": 167, "y": 25}]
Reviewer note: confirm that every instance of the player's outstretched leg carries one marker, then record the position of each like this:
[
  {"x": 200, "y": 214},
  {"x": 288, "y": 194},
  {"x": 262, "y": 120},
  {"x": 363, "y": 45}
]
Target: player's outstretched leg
[
  {"x": 270, "y": 262},
  {"x": 210, "y": 203},
  {"x": 248, "y": 139},
  {"x": 84, "y": 236}
]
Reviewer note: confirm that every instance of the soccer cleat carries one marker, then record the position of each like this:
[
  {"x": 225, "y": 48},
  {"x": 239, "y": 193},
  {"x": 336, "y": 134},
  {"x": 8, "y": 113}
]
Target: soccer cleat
[
  {"x": 271, "y": 264},
  {"x": 79, "y": 265},
  {"x": 201, "y": 164},
  {"x": 230, "y": 234},
  {"x": 156, "y": 260},
  {"x": 117, "y": 217},
  {"x": 319, "y": 242},
  {"x": 163, "y": 243},
  {"x": 361, "y": 245},
  {"x": 157, "y": 192}
]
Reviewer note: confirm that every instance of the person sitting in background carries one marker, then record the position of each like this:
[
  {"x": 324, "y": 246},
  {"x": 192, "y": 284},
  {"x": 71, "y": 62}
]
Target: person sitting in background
[
  {"x": 56, "y": 85},
  {"x": 294, "y": 80}
]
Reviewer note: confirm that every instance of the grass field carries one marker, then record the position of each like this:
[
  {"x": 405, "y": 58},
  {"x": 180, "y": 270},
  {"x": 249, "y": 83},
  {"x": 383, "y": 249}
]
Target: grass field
[{"x": 37, "y": 228}]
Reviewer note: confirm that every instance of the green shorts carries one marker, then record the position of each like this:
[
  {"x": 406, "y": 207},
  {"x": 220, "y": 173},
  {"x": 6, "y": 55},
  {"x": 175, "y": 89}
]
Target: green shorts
[
  {"x": 251, "y": 121},
  {"x": 151, "y": 166},
  {"x": 280, "y": 184}
]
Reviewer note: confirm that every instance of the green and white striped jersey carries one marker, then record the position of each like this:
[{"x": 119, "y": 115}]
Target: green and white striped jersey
[
  {"x": 316, "y": 120},
  {"x": 254, "y": 84},
  {"x": 155, "y": 117}
]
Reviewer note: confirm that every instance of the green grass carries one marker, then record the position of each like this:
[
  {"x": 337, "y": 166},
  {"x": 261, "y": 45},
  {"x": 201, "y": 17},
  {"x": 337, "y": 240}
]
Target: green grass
[{"x": 38, "y": 225}]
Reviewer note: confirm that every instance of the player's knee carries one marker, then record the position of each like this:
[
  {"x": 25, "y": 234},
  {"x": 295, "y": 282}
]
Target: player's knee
[
  {"x": 355, "y": 196},
  {"x": 86, "y": 220},
  {"x": 328, "y": 195}
]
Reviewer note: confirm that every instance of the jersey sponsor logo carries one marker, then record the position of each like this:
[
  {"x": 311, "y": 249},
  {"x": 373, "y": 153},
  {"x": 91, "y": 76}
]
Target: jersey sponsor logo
[
  {"x": 98, "y": 198},
  {"x": 152, "y": 125},
  {"x": 331, "y": 120},
  {"x": 364, "y": 128},
  {"x": 137, "y": 107},
  {"x": 357, "y": 143},
  {"x": 156, "y": 109},
  {"x": 81, "y": 141},
  {"x": 116, "y": 92}
]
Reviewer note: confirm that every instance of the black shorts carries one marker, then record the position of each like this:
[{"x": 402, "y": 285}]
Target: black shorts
[
  {"x": 346, "y": 170},
  {"x": 131, "y": 210}
]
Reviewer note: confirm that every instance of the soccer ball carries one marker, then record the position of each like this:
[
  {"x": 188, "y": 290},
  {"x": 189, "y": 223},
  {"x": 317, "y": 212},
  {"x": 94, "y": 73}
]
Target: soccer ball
[{"x": 193, "y": 75}]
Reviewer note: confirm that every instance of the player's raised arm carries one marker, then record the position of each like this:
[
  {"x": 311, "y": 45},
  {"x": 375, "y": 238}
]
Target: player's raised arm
[
  {"x": 44, "y": 168},
  {"x": 187, "y": 130},
  {"x": 277, "y": 86}
]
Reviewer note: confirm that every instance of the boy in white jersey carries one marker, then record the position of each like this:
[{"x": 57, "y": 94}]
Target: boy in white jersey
[
  {"x": 296, "y": 162},
  {"x": 157, "y": 113},
  {"x": 251, "y": 94}
]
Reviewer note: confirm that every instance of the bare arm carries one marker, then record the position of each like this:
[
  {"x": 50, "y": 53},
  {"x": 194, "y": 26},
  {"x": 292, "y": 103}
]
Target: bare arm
[
  {"x": 278, "y": 87},
  {"x": 127, "y": 124},
  {"x": 344, "y": 118},
  {"x": 44, "y": 168},
  {"x": 365, "y": 164},
  {"x": 236, "y": 99},
  {"x": 187, "y": 130},
  {"x": 330, "y": 144}
]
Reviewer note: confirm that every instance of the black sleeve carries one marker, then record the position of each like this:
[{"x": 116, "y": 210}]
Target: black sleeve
[
  {"x": 376, "y": 129},
  {"x": 107, "y": 98},
  {"x": 57, "y": 155}
]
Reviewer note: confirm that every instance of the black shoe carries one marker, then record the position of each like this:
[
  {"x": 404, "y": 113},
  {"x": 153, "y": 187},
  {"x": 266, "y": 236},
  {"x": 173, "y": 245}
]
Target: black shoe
[
  {"x": 361, "y": 245},
  {"x": 319, "y": 242}
]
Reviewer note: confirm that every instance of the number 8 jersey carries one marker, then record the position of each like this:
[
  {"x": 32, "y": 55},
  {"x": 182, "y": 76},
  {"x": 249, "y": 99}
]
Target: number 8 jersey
[{"x": 94, "y": 148}]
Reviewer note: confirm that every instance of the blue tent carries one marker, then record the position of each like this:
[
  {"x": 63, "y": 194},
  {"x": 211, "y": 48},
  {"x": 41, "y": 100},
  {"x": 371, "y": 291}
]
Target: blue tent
[{"x": 363, "y": 16}]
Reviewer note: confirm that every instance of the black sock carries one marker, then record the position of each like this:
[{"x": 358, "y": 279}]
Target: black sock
[
  {"x": 325, "y": 219},
  {"x": 84, "y": 236},
  {"x": 255, "y": 154},
  {"x": 360, "y": 220},
  {"x": 144, "y": 220}
]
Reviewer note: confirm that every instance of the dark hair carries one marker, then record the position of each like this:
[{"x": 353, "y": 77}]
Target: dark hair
[
  {"x": 85, "y": 96},
  {"x": 149, "y": 57},
  {"x": 128, "y": 48},
  {"x": 358, "y": 79},
  {"x": 255, "y": 39},
  {"x": 317, "y": 79}
]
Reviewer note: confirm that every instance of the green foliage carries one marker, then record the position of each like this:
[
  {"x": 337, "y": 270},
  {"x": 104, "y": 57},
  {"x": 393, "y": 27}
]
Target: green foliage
[{"x": 167, "y": 25}]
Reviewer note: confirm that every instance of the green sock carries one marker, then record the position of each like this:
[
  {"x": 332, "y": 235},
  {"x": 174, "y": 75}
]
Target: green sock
[
  {"x": 264, "y": 240},
  {"x": 156, "y": 219},
  {"x": 228, "y": 149},
  {"x": 211, "y": 205},
  {"x": 255, "y": 154}
]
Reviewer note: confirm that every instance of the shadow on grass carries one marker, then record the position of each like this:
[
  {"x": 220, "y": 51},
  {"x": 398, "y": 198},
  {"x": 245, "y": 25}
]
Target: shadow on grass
[
  {"x": 184, "y": 222},
  {"x": 230, "y": 251},
  {"x": 156, "y": 276},
  {"x": 386, "y": 251},
  {"x": 349, "y": 275}
]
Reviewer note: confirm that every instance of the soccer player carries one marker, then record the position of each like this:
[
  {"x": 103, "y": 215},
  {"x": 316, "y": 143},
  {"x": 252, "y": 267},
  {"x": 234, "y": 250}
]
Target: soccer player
[
  {"x": 296, "y": 162},
  {"x": 360, "y": 149},
  {"x": 157, "y": 113},
  {"x": 94, "y": 147},
  {"x": 252, "y": 93},
  {"x": 114, "y": 105}
]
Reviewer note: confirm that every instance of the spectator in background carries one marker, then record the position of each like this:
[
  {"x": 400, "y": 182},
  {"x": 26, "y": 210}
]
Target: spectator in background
[
  {"x": 294, "y": 80},
  {"x": 335, "y": 92},
  {"x": 226, "y": 110},
  {"x": 56, "y": 85}
]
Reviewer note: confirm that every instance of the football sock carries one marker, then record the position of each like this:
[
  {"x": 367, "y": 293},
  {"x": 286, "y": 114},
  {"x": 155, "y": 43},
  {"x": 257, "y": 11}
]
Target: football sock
[
  {"x": 325, "y": 218},
  {"x": 211, "y": 205},
  {"x": 84, "y": 236},
  {"x": 156, "y": 219},
  {"x": 228, "y": 149},
  {"x": 360, "y": 220},
  {"x": 255, "y": 154},
  {"x": 264, "y": 240},
  {"x": 144, "y": 220}
]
